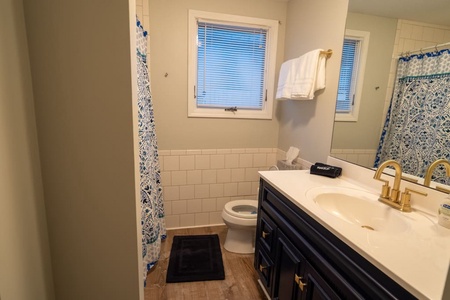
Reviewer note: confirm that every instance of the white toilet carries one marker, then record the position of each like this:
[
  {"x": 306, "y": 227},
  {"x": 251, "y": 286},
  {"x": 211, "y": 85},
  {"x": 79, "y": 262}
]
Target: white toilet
[{"x": 240, "y": 218}]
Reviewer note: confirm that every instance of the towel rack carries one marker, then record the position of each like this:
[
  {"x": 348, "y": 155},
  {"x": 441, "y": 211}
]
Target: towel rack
[{"x": 328, "y": 53}]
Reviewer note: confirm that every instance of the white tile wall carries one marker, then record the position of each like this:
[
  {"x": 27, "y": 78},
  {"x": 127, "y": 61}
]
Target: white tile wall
[
  {"x": 363, "y": 157},
  {"x": 198, "y": 183}
]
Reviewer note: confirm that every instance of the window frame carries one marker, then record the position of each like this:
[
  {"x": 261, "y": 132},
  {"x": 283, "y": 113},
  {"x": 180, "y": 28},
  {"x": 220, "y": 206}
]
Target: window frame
[
  {"x": 269, "y": 80},
  {"x": 359, "y": 73}
]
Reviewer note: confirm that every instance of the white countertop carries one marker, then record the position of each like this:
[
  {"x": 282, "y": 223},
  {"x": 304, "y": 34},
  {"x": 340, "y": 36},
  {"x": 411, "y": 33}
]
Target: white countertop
[{"x": 417, "y": 258}]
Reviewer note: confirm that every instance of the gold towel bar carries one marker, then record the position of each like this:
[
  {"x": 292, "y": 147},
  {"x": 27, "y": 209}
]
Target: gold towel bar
[{"x": 328, "y": 53}]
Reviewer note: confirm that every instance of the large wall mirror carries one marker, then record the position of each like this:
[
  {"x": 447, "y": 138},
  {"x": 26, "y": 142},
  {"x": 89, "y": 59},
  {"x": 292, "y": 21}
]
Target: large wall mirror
[{"x": 394, "y": 27}]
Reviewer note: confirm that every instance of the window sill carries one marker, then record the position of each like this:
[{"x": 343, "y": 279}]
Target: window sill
[
  {"x": 231, "y": 115},
  {"x": 345, "y": 118}
]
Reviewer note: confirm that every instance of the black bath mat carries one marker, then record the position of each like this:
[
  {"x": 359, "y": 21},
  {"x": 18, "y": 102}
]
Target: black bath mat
[{"x": 195, "y": 258}]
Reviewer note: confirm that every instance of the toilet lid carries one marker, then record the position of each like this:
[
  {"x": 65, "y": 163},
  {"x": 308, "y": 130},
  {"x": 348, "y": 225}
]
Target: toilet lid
[{"x": 246, "y": 209}]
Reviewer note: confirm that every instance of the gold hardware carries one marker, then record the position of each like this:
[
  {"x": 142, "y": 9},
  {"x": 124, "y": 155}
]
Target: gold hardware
[
  {"x": 298, "y": 280},
  {"x": 442, "y": 189},
  {"x": 395, "y": 199},
  {"x": 262, "y": 268},
  {"x": 328, "y": 53},
  {"x": 433, "y": 166},
  {"x": 385, "y": 189},
  {"x": 413, "y": 180},
  {"x": 405, "y": 203},
  {"x": 265, "y": 234},
  {"x": 391, "y": 204},
  {"x": 395, "y": 192}
]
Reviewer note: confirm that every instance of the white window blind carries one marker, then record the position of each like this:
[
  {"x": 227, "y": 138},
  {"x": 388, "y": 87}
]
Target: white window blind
[
  {"x": 232, "y": 62},
  {"x": 231, "y": 66},
  {"x": 347, "y": 77}
]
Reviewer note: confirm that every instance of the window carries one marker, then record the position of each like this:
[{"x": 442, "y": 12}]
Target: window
[
  {"x": 231, "y": 66},
  {"x": 351, "y": 75}
]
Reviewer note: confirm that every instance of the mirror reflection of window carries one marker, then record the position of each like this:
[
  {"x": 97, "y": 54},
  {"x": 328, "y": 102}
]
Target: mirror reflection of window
[{"x": 351, "y": 77}]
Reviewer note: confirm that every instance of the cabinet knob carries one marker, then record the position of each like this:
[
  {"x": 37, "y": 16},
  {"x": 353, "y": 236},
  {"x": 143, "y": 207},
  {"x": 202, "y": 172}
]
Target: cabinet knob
[
  {"x": 264, "y": 234},
  {"x": 301, "y": 284},
  {"x": 262, "y": 268}
]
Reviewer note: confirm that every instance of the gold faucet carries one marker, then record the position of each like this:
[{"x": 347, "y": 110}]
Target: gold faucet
[
  {"x": 431, "y": 168},
  {"x": 392, "y": 197},
  {"x": 386, "y": 193}
]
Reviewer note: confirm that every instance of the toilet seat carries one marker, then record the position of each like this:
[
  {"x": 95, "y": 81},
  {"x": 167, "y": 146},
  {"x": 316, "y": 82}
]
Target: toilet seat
[{"x": 245, "y": 209}]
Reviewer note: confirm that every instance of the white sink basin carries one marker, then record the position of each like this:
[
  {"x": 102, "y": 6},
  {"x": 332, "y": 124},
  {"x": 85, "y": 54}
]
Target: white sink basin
[{"x": 359, "y": 208}]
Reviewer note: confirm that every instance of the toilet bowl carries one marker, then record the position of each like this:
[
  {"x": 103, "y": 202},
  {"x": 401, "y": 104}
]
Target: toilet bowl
[{"x": 240, "y": 218}]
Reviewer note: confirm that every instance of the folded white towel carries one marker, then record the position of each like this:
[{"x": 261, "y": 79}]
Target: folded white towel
[
  {"x": 286, "y": 79},
  {"x": 320, "y": 77},
  {"x": 301, "y": 77},
  {"x": 305, "y": 79}
]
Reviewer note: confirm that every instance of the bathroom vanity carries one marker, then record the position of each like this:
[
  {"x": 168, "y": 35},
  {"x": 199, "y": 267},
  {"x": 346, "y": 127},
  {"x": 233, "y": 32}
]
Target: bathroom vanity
[{"x": 304, "y": 250}]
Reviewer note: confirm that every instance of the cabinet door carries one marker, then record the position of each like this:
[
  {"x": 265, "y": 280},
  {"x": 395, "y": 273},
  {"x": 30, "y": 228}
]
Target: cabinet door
[
  {"x": 290, "y": 263},
  {"x": 315, "y": 287},
  {"x": 295, "y": 278}
]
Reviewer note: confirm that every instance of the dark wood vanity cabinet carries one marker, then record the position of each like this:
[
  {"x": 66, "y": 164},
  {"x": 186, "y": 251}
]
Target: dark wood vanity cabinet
[
  {"x": 294, "y": 277},
  {"x": 297, "y": 258}
]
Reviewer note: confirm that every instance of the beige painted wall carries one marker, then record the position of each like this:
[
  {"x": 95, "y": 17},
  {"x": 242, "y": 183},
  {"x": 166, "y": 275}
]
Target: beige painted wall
[
  {"x": 308, "y": 125},
  {"x": 168, "y": 40},
  {"x": 364, "y": 134},
  {"x": 25, "y": 267},
  {"x": 82, "y": 84}
]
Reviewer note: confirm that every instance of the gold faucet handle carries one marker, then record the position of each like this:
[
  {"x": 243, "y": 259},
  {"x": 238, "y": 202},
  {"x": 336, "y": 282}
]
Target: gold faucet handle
[
  {"x": 406, "y": 199},
  {"x": 385, "y": 189},
  {"x": 407, "y": 191}
]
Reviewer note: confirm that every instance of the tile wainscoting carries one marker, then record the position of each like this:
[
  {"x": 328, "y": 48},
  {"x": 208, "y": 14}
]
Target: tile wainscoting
[
  {"x": 198, "y": 183},
  {"x": 362, "y": 157}
]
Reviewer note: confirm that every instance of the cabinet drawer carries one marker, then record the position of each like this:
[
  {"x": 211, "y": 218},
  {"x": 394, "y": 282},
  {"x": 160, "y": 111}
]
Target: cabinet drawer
[
  {"x": 264, "y": 267},
  {"x": 266, "y": 235}
]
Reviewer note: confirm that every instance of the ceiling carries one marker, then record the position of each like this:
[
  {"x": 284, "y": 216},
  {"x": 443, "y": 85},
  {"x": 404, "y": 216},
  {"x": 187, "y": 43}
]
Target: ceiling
[{"x": 428, "y": 11}]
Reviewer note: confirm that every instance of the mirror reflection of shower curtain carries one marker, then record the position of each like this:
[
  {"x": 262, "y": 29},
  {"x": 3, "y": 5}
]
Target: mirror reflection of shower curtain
[
  {"x": 417, "y": 127},
  {"x": 152, "y": 208}
]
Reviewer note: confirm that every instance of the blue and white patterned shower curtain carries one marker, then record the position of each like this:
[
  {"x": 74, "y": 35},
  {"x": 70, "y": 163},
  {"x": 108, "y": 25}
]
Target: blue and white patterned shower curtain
[
  {"x": 417, "y": 126},
  {"x": 152, "y": 213}
]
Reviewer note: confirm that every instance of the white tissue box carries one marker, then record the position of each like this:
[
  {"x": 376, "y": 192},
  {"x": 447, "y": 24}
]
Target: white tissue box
[{"x": 282, "y": 165}]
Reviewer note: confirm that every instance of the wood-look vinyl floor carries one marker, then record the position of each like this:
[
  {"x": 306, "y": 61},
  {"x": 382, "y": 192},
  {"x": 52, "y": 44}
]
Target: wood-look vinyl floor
[{"x": 240, "y": 276}]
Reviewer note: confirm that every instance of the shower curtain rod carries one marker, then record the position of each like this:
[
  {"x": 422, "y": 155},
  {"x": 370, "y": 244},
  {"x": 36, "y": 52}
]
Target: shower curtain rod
[{"x": 425, "y": 48}]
